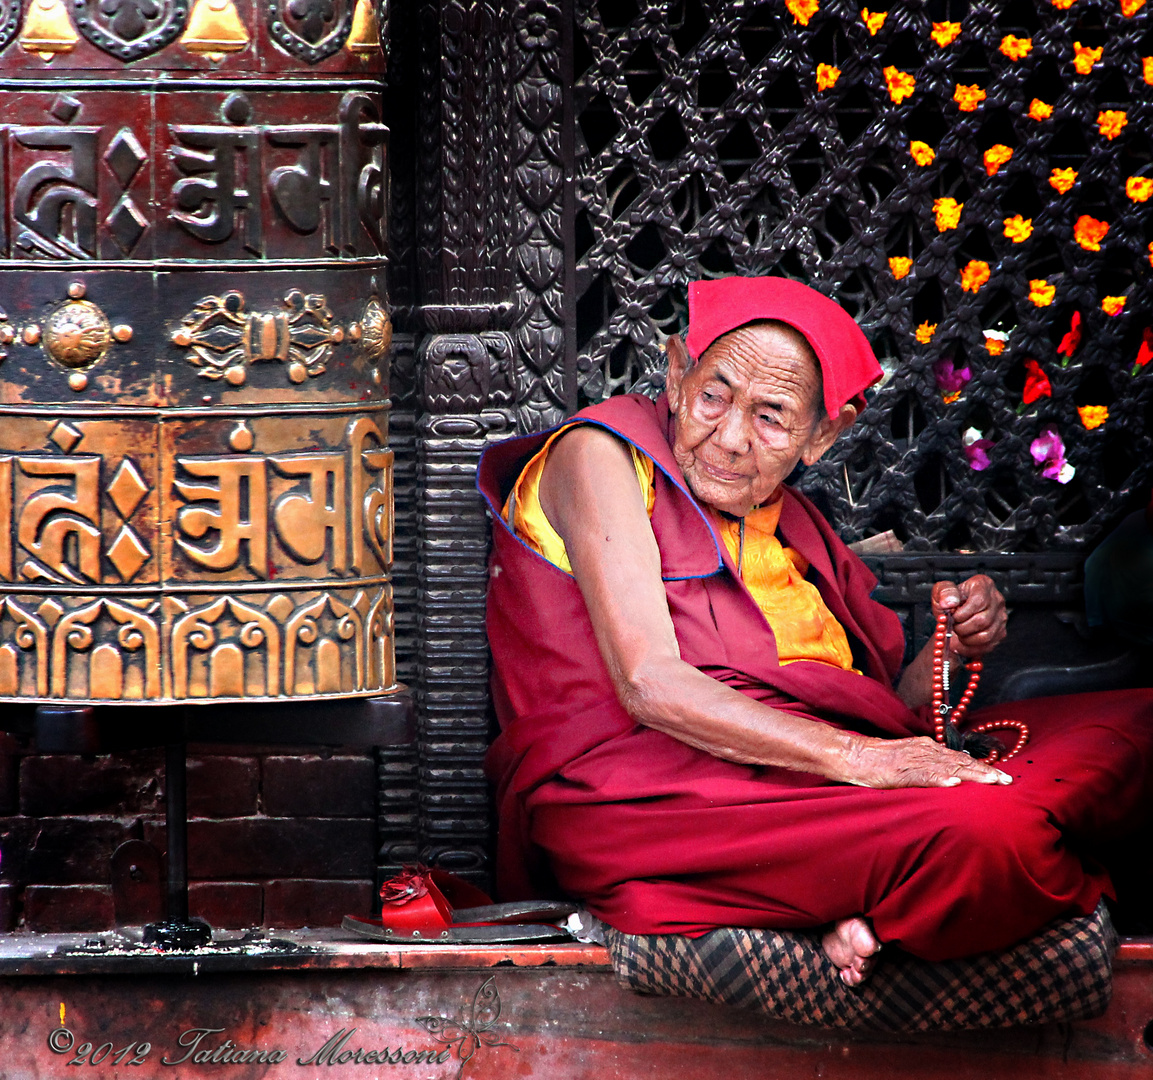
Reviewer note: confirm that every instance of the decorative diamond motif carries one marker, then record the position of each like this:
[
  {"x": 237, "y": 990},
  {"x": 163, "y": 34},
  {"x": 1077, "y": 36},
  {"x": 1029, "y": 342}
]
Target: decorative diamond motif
[
  {"x": 65, "y": 436},
  {"x": 124, "y": 156},
  {"x": 127, "y": 225},
  {"x": 127, "y": 553},
  {"x": 126, "y": 489},
  {"x": 50, "y": 611},
  {"x": 64, "y": 107}
]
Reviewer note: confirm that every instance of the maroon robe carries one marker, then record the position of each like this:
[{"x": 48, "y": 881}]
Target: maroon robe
[{"x": 657, "y": 836}]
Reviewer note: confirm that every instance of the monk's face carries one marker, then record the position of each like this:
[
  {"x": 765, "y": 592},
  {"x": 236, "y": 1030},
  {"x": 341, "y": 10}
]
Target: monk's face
[{"x": 746, "y": 413}]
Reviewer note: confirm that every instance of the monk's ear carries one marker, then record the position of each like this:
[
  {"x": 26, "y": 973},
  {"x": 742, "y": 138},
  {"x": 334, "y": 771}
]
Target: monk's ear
[
  {"x": 679, "y": 364},
  {"x": 826, "y": 432}
]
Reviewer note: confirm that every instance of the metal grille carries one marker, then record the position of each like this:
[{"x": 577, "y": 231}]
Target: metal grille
[{"x": 704, "y": 147}]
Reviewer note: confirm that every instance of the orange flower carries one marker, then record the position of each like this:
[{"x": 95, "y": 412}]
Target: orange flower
[
  {"x": 1139, "y": 188},
  {"x": 1089, "y": 232},
  {"x": 923, "y": 153},
  {"x": 1084, "y": 57},
  {"x": 1062, "y": 179},
  {"x": 1113, "y": 305},
  {"x": 996, "y": 156},
  {"x": 1039, "y": 110},
  {"x": 925, "y": 332},
  {"x": 1063, "y": 5},
  {"x": 874, "y": 20},
  {"x": 827, "y": 76},
  {"x": 968, "y": 97},
  {"x": 1147, "y": 69},
  {"x": 900, "y": 83},
  {"x": 995, "y": 341},
  {"x": 900, "y": 266},
  {"x": 1129, "y": 8},
  {"x": 1093, "y": 416},
  {"x": 802, "y": 10},
  {"x": 1018, "y": 229},
  {"x": 974, "y": 275},
  {"x": 948, "y": 213},
  {"x": 945, "y": 33},
  {"x": 1016, "y": 47},
  {"x": 1110, "y": 122},
  {"x": 1150, "y": 250},
  {"x": 1041, "y": 292}
]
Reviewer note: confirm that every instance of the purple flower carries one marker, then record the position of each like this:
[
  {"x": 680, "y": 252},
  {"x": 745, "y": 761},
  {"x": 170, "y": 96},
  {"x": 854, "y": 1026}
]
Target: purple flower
[
  {"x": 950, "y": 380},
  {"x": 976, "y": 448},
  {"x": 1049, "y": 450}
]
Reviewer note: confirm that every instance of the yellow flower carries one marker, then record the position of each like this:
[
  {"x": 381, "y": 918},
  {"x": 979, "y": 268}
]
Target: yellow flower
[
  {"x": 1062, "y": 179},
  {"x": 1129, "y": 8},
  {"x": 900, "y": 266},
  {"x": 1147, "y": 69},
  {"x": 1018, "y": 229},
  {"x": 1110, "y": 122},
  {"x": 1113, "y": 305},
  {"x": 1139, "y": 188},
  {"x": 968, "y": 97},
  {"x": 1016, "y": 47},
  {"x": 995, "y": 341},
  {"x": 827, "y": 76},
  {"x": 1093, "y": 416},
  {"x": 923, "y": 153},
  {"x": 948, "y": 212},
  {"x": 1089, "y": 232},
  {"x": 1041, "y": 292},
  {"x": 974, "y": 275},
  {"x": 900, "y": 83},
  {"x": 945, "y": 33},
  {"x": 925, "y": 332},
  {"x": 1063, "y": 5},
  {"x": 874, "y": 20},
  {"x": 1039, "y": 110},
  {"x": 996, "y": 156},
  {"x": 802, "y": 10},
  {"x": 1084, "y": 58}
]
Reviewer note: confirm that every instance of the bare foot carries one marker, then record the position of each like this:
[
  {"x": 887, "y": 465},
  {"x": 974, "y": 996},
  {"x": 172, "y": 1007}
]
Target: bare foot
[{"x": 852, "y": 946}]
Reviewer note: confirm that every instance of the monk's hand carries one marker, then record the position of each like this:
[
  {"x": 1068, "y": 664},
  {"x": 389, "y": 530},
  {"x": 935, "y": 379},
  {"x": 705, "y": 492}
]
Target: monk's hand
[
  {"x": 917, "y": 762},
  {"x": 979, "y": 614}
]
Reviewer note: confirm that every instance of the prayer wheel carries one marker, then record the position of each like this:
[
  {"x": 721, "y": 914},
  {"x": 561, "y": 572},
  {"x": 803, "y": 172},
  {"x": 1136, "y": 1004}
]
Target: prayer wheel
[{"x": 195, "y": 479}]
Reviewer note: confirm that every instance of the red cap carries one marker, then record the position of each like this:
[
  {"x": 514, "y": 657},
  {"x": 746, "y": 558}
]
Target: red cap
[{"x": 719, "y": 305}]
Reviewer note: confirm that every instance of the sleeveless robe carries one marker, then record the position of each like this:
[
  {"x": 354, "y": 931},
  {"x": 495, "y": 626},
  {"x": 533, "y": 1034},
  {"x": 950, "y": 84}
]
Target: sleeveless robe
[{"x": 657, "y": 837}]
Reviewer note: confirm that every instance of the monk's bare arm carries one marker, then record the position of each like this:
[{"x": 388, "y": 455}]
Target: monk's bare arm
[{"x": 590, "y": 494}]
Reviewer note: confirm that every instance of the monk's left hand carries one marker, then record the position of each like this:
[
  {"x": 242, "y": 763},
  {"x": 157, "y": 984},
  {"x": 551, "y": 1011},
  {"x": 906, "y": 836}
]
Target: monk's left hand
[{"x": 979, "y": 614}]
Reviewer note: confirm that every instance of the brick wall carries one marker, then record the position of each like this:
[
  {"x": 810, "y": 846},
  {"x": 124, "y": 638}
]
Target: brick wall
[{"x": 274, "y": 838}]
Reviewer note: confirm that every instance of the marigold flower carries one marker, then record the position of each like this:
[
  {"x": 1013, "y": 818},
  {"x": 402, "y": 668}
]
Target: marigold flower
[
  {"x": 945, "y": 33},
  {"x": 1018, "y": 229},
  {"x": 900, "y": 266},
  {"x": 1147, "y": 69},
  {"x": 996, "y": 341},
  {"x": 1062, "y": 179},
  {"x": 1139, "y": 188},
  {"x": 802, "y": 10},
  {"x": 1016, "y": 47},
  {"x": 1093, "y": 416},
  {"x": 974, "y": 274},
  {"x": 1084, "y": 57},
  {"x": 948, "y": 213},
  {"x": 1039, "y": 110},
  {"x": 923, "y": 153},
  {"x": 951, "y": 380},
  {"x": 1110, "y": 122},
  {"x": 1129, "y": 8},
  {"x": 1145, "y": 353},
  {"x": 900, "y": 83},
  {"x": 968, "y": 97},
  {"x": 1063, "y": 5},
  {"x": 1041, "y": 292},
  {"x": 1072, "y": 338},
  {"x": 996, "y": 156},
  {"x": 976, "y": 448},
  {"x": 1048, "y": 450},
  {"x": 1037, "y": 383},
  {"x": 924, "y": 333},
  {"x": 1150, "y": 250},
  {"x": 874, "y": 20},
  {"x": 1089, "y": 232},
  {"x": 827, "y": 75},
  {"x": 1113, "y": 305}
]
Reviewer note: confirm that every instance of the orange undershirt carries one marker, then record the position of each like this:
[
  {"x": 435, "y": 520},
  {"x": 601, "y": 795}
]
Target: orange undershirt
[{"x": 804, "y": 627}]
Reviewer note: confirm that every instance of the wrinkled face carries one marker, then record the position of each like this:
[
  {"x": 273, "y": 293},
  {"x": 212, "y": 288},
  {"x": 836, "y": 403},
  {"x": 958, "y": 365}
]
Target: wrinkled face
[{"x": 746, "y": 413}]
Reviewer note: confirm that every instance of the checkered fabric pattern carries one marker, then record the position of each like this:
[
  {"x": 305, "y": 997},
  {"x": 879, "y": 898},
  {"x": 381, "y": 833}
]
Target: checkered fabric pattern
[{"x": 1063, "y": 973}]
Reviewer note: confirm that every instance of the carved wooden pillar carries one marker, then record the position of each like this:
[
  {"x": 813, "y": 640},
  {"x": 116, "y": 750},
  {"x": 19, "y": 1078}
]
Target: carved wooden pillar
[{"x": 464, "y": 266}]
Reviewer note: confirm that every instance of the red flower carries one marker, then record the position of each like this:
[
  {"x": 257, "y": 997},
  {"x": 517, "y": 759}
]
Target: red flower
[
  {"x": 410, "y": 884},
  {"x": 1036, "y": 383},
  {"x": 1145, "y": 353},
  {"x": 1072, "y": 339}
]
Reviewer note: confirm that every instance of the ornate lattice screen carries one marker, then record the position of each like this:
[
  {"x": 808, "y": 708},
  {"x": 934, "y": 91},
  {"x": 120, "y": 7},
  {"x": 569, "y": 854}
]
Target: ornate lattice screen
[{"x": 727, "y": 137}]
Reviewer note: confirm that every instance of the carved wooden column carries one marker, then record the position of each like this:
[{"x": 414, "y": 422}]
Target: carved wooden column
[{"x": 464, "y": 266}]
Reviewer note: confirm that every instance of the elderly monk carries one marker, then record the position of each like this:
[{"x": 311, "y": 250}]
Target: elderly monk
[{"x": 703, "y": 718}]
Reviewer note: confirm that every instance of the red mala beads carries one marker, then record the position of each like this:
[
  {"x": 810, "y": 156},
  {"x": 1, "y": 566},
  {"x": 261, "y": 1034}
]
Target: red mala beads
[{"x": 944, "y": 716}]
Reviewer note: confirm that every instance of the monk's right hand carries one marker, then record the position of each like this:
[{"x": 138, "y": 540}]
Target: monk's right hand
[{"x": 918, "y": 762}]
